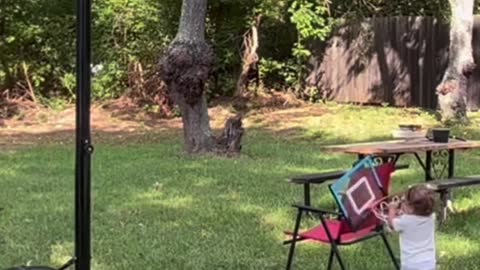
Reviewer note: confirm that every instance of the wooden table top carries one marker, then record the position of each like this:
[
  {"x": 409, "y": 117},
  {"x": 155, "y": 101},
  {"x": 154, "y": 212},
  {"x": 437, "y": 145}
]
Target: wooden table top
[{"x": 402, "y": 146}]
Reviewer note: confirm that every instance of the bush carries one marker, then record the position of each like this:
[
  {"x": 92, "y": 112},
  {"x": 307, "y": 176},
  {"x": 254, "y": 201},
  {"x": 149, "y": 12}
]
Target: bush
[{"x": 40, "y": 35}]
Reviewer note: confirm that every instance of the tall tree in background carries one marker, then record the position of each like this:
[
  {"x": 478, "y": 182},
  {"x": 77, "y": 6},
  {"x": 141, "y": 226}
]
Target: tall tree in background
[
  {"x": 185, "y": 68},
  {"x": 453, "y": 88}
]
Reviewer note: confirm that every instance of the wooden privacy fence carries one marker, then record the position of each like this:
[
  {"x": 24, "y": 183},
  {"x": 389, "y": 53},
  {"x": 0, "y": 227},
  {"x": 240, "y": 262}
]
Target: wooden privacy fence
[{"x": 394, "y": 60}]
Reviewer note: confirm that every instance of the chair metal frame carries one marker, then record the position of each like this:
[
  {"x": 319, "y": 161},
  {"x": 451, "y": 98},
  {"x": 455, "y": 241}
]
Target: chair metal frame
[
  {"x": 377, "y": 230},
  {"x": 334, "y": 243}
]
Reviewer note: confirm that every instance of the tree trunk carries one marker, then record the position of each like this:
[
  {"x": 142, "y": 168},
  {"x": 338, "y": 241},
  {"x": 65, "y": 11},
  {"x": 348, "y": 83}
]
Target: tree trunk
[
  {"x": 185, "y": 68},
  {"x": 232, "y": 135},
  {"x": 197, "y": 133},
  {"x": 250, "y": 59},
  {"x": 453, "y": 88}
]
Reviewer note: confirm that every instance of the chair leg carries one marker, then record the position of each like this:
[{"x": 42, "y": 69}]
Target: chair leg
[
  {"x": 294, "y": 240},
  {"x": 337, "y": 254},
  {"x": 390, "y": 252},
  {"x": 330, "y": 259}
]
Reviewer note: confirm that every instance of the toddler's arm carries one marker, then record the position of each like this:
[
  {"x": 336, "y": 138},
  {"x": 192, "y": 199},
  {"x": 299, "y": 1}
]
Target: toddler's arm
[{"x": 393, "y": 212}]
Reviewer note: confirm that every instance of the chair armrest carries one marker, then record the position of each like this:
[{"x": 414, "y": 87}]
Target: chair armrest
[{"x": 316, "y": 210}]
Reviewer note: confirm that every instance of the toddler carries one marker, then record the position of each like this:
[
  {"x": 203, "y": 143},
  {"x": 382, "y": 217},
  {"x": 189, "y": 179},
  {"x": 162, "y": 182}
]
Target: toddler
[{"x": 414, "y": 220}]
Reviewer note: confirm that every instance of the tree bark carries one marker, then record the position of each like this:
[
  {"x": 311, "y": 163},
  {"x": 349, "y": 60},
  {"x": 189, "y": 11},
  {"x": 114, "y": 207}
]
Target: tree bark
[
  {"x": 185, "y": 68},
  {"x": 453, "y": 88},
  {"x": 230, "y": 140},
  {"x": 250, "y": 59},
  {"x": 192, "y": 21}
]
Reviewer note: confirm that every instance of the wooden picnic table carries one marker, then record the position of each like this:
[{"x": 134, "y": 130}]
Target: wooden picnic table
[
  {"x": 403, "y": 146},
  {"x": 439, "y": 156}
]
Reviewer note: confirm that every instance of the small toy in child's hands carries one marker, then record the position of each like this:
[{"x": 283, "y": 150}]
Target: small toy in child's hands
[{"x": 381, "y": 207}]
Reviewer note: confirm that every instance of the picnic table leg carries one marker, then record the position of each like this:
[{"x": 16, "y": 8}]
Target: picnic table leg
[
  {"x": 306, "y": 194},
  {"x": 397, "y": 157},
  {"x": 428, "y": 166},
  {"x": 444, "y": 206},
  {"x": 451, "y": 163},
  {"x": 446, "y": 195},
  {"x": 451, "y": 171},
  {"x": 359, "y": 158},
  {"x": 307, "y": 199}
]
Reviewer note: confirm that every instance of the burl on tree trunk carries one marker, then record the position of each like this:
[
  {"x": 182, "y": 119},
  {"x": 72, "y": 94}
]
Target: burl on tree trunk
[
  {"x": 452, "y": 91},
  {"x": 185, "y": 68}
]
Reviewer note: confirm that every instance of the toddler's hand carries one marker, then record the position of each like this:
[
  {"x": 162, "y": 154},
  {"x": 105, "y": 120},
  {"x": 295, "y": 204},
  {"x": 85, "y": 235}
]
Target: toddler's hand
[{"x": 393, "y": 205}]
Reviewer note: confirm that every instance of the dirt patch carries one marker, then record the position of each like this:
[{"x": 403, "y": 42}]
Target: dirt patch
[
  {"x": 50, "y": 126},
  {"x": 284, "y": 122},
  {"x": 261, "y": 101},
  {"x": 111, "y": 122}
]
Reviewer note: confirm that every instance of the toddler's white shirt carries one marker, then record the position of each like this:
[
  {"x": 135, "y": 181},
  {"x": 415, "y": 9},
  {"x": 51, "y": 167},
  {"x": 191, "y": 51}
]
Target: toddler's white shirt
[{"x": 417, "y": 241}]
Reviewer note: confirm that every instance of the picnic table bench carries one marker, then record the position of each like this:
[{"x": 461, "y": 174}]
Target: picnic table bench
[{"x": 442, "y": 186}]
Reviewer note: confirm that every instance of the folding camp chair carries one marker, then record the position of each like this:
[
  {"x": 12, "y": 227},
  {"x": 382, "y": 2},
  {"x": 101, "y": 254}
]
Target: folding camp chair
[{"x": 338, "y": 231}]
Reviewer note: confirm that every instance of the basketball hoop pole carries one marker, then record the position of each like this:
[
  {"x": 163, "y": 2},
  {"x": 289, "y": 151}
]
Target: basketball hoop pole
[{"x": 84, "y": 147}]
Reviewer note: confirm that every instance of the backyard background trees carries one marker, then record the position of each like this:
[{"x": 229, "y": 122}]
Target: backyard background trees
[{"x": 36, "y": 45}]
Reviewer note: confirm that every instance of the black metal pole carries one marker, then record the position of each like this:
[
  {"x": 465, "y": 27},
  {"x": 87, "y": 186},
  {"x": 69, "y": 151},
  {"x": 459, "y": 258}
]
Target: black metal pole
[{"x": 83, "y": 140}]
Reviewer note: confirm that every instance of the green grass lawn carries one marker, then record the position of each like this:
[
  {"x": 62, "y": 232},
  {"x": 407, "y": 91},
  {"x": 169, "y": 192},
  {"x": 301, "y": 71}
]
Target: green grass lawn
[{"x": 155, "y": 208}]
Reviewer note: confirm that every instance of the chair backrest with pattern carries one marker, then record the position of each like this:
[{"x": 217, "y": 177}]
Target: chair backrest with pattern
[{"x": 355, "y": 191}]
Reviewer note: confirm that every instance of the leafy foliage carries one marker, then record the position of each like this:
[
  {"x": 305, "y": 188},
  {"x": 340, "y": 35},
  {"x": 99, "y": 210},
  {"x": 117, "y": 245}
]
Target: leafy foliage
[
  {"x": 128, "y": 31},
  {"x": 362, "y": 8},
  {"x": 312, "y": 23},
  {"x": 41, "y": 35}
]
